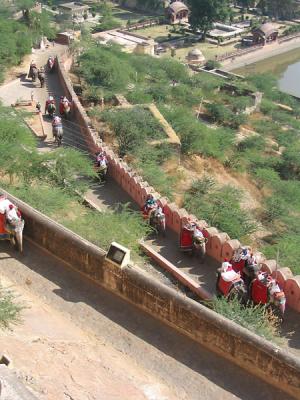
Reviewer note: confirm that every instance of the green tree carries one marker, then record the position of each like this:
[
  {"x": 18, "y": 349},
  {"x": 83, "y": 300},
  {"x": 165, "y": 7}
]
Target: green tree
[
  {"x": 25, "y": 6},
  {"x": 205, "y": 12},
  {"x": 281, "y": 9}
]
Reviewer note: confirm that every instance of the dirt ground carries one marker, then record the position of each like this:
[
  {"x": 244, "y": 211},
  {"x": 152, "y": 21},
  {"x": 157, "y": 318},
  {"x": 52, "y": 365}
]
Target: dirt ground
[
  {"x": 58, "y": 360},
  {"x": 80, "y": 342}
]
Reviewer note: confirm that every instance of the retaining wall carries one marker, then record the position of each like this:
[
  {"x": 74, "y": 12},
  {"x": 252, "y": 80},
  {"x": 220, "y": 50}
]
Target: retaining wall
[
  {"x": 256, "y": 355},
  {"x": 219, "y": 244}
]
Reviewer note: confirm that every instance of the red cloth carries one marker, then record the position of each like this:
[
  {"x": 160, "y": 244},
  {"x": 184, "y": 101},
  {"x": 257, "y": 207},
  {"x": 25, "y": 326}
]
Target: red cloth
[
  {"x": 238, "y": 265},
  {"x": 259, "y": 292},
  {"x": 186, "y": 238},
  {"x": 61, "y": 107},
  {"x": 2, "y": 224},
  {"x": 224, "y": 287}
]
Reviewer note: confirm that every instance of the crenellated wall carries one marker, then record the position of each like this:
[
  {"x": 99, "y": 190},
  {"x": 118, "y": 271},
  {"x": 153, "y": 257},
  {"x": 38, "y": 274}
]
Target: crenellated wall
[
  {"x": 219, "y": 245},
  {"x": 277, "y": 366}
]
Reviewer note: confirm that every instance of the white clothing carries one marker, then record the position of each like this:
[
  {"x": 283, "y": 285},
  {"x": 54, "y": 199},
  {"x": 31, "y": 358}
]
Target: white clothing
[
  {"x": 4, "y": 205},
  {"x": 229, "y": 276},
  {"x": 12, "y": 215},
  {"x": 198, "y": 233},
  {"x": 225, "y": 266}
]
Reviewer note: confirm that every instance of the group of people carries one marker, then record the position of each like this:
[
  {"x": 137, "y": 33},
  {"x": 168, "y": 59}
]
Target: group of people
[
  {"x": 230, "y": 272},
  {"x": 50, "y": 106}
]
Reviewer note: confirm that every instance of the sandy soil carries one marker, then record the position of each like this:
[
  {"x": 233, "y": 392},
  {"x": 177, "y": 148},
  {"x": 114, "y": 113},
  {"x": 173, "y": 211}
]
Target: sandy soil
[{"x": 58, "y": 360}]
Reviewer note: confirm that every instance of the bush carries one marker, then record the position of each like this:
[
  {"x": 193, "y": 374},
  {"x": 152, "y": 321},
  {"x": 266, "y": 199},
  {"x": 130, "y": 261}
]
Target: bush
[
  {"x": 274, "y": 208},
  {"x": 287, "y": 250},
  {"x": 133, "y": 128},
  {"x": 106, "y": 25},
  {"x": 255, "y": 318},
  {"x": 212, "y": 64},
  {"x": 10, "y": 310},
  {"x": 195, "y": 136},
  {"x": 220, "y": 207}
]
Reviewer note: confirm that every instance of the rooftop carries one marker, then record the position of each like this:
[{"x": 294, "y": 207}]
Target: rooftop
[
  {"x": 73, "y": 5},
  {"x": 178, "y": 6}
]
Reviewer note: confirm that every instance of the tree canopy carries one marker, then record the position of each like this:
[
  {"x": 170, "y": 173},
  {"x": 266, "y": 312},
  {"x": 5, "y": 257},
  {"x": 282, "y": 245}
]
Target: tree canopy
[{"x": 205, "y": 12}]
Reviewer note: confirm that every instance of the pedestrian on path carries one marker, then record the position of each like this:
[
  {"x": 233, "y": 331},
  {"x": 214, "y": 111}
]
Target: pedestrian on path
[
  {"x": 38, "y": 107},
  {"x": 32, "y": 96}
]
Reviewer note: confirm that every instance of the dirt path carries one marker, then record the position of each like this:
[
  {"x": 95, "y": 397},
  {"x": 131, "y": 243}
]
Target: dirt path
[{"x": 80, "y": 342}]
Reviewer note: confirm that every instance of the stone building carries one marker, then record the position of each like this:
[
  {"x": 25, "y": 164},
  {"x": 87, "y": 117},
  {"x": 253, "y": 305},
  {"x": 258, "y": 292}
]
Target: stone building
[
  {"x": 195, "y": 56},
  {"x": 266, "y": 33},
  {"x": 74, "y": 9},
  {"x": 177, "y": 13}
]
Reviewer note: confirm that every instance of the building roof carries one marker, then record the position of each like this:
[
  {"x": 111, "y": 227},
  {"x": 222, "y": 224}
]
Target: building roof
[
  {"x": 177, "y": 6},
  {"x": 266, "y": 29},
  {"x": 73, "y": 5},
  {"x": 195, "y": 53}
]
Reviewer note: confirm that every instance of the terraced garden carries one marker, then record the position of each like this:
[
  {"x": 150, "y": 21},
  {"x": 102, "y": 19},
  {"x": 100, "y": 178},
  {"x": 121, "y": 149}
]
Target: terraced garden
[{"x": 239, "y": 172}]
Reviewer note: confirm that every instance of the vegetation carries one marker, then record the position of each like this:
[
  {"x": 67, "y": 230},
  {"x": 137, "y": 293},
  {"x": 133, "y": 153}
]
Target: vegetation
[
  {"x": 256, "y": 318},
  {"x": 219, "y": 206},
  {"x": 139, "y": 137},
  {"x": 108, "y": 21},
  {"x": 49, "y": 182},
  {"x": 268, "y": 158},
  {"x": 18, "y": 37},
  {"x": 205, "y": 12},
  {"x": 10, "y": 310}
]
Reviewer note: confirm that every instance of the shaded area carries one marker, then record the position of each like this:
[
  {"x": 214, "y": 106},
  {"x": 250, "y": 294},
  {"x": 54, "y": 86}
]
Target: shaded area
[{"x": 179, "y": 361}]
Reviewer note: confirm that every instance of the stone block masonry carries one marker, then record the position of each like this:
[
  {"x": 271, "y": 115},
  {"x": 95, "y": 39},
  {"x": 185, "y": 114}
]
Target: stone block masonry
[
  {"x": 219, "y": 245},
  {"x": 276, "y": 366}
]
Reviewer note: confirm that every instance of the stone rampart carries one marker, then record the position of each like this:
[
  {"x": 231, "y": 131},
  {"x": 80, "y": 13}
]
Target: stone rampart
[
  {"x": 219, "y": 245},
  {"x": 275, "y": 365}
]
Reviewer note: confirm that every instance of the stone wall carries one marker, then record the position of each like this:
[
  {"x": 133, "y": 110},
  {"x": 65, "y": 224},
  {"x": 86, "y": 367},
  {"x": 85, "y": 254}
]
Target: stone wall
[
  {"x": 238, "y": 345},
  {"x": 219, "y": 245}
]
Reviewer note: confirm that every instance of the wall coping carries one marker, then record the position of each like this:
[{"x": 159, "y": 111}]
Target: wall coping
[{"x": 147, "y": 282}]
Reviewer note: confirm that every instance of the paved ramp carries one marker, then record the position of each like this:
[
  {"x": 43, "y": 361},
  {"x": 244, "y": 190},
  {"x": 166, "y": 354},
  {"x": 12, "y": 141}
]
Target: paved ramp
[{"x": 169, "y": 359}]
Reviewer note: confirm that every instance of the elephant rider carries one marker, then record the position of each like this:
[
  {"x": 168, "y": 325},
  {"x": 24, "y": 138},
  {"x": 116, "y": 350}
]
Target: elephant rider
[
  {"x": 251, "y": 260},
  {"x": 64, "y": 102},
  {"x": 150, "y": 205},
  {"x": 49, "y": 101},
  {"x": 226, "y": 266},
  {"x": 194, "y": 228},
  {"x": 12, "y": 214},
  {"x": 56, "y": 121},
  {"x": 51, "y": 61},
  {"x": 242, "y": 253},
  {"x": 101, "y": 160}
]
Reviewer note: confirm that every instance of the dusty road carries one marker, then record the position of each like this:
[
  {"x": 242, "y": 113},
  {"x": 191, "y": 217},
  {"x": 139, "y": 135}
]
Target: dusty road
[{"x": 80, "y": 342}]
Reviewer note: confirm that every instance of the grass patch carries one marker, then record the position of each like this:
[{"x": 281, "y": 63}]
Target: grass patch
[
  {"x": 255, "y": 318},
  {"x": 10, "y": 309},
  {"x": 220, "y": 207}
]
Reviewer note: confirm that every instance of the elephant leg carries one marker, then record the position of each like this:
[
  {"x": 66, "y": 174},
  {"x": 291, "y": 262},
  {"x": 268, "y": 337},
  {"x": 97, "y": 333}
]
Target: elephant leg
[{"x": 19, "y": 239}]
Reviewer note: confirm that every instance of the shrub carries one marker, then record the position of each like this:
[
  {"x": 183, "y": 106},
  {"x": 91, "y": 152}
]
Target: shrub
[
  {"x": 195, "y": 136},
  {"x": 220, "y": 207},
  {"x": 287, "y": 249},
  {"x": 274, "y": 208},
  {"x": 212, "y": 64},
  {"x": 106, "y": 25},
  {"x": 132, "y": 128},
  {"x": 10, "y": 310},
  {"x": 255, "y": 318}
]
